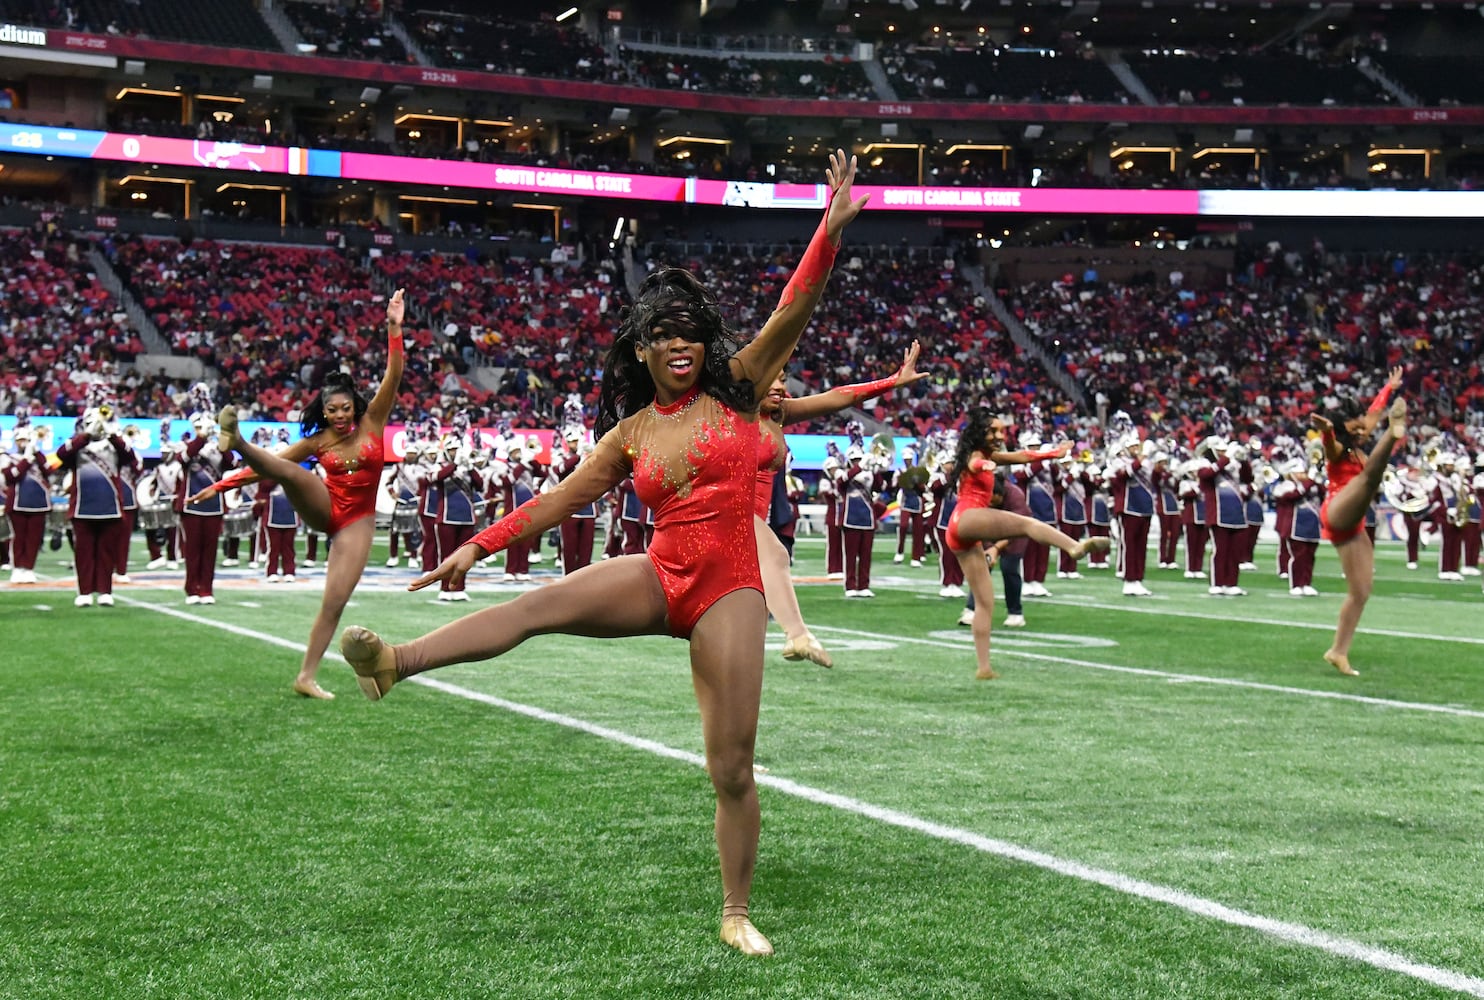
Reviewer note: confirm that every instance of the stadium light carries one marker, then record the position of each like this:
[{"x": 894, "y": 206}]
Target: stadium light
[{"x": 566, "y": 14}]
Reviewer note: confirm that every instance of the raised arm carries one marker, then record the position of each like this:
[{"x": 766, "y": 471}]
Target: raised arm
[
  {"x": 595, "y": 475},
  {"x": 841, "y": 396},
  {"x": 380, "y": 407},
  {"x": 762, "y": 360},
  {"x": 1377, "y": 410}
]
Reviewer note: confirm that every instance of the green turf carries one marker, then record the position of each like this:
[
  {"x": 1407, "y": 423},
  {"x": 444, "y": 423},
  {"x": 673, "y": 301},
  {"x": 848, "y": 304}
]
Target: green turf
[{"x": 177, "y": 823}]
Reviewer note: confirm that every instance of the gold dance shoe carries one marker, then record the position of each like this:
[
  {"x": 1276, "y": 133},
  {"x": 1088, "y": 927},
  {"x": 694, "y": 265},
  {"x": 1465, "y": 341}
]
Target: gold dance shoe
[
  {"x": 1397, "y": 419},
  {"x": 373, "y": 661},
  {"x": 987, "y": 674},
  {"x": 1340, "y": 663},
  {"x": 740, "y": 934},
  {"x": 807, "y": 648},
  {"x": 226, "y": 429},
  {"x": 1092, "y": 544},
  {"x": 310, "y": 689}
]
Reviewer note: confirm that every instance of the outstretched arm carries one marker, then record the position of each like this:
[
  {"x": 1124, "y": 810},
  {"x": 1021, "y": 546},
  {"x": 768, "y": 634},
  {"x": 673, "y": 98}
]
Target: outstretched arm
[
  {"x": 380, "y": 407},
  {"x": 1022, "y": 457},
  {"x": 594, "y": 476},
  {"x": 762, "y": 360},
  {"x": 823, "y": 403}
]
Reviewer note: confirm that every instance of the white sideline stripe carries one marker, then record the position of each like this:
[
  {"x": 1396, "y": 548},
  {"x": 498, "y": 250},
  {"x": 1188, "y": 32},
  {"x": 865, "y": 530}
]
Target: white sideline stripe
[
  {"x": 1147, "y": 610},
  {"x": 1416, "y": 706},
  {"x": 1379, "y": 958}
]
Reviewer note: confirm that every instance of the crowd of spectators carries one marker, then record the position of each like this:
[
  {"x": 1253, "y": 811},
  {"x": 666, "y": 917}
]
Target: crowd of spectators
[
  {"x": 1291, "y": 331},
  {"x": 827, "y": 78},
  {"x": 61, "y": 330},
  {"x": 1286, "y": 332}
]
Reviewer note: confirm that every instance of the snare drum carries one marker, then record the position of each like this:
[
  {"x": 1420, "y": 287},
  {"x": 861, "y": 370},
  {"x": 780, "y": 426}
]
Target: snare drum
[
  {"x": 404, "y": 518},
  {"x": 156, "y": 517},
  {"x": 56, "y": 518},
  {"x": 238, "y": 523}
]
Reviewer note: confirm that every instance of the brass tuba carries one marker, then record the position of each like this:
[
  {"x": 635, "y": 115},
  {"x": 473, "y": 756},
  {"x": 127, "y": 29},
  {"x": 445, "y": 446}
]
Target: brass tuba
[
  {"x": 1403, "y": 493},
  {"x": 883, "y": 450}
]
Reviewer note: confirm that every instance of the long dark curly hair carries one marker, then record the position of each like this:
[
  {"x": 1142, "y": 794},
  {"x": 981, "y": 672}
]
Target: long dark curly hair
[
  {"x": 335, "y": 384},
  {"x": 970, "y": 440},
  {"x": 1349, "y": 408},
  {"x": 671, "y": 302}
]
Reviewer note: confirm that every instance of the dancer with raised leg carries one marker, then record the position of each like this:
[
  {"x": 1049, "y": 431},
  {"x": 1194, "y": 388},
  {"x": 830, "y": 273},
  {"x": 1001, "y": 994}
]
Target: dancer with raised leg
[
  {"x": 678, "y": 412},
  {"x": 976, "y": 522},
  {"x": 344, "y": 432},
  {"x": 778, "y": 411},
  {"x": 1354, "y": 477}
]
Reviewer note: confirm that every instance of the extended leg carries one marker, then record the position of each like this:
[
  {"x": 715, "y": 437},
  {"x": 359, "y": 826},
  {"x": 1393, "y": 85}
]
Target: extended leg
[
  {"x": 580, "y": 604},
  {"x": 305, "y": 490}
]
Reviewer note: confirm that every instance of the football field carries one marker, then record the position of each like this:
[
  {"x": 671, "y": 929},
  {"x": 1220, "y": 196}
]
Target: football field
[{"x": 1162, "y": 797}]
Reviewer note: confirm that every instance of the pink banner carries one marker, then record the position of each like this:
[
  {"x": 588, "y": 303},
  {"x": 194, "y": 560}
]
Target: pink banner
[
  {"x": 497, "y": 177},
  {"x": 1051, "y": 201}
]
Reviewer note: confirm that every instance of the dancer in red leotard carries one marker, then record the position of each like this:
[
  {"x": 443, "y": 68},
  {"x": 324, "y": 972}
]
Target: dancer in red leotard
[
  {"x": 778, "y": 411},
  {"x": 976, "y": 521},
  {"x": 344, "y": 432},
  {"x": 679, "y": 413},
  {"x": 1354, "y": 477}
]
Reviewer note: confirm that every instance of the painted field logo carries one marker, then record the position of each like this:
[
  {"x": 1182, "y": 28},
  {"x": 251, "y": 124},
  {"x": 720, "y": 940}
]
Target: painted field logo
[{"x": 17, "y": 35}]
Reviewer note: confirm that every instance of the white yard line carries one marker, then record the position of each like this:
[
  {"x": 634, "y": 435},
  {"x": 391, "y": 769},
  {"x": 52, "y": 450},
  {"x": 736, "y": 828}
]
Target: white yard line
[
  {"x": 1416, "y": 706},
  {"x": 1292, "y": 933}
]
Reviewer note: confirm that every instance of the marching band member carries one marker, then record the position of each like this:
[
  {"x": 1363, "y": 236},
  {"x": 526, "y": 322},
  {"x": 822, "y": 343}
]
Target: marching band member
[
  {"x": 1135, "y": 487},
  {"x": 1297, "y": 497},
  {"x": 858, "y": 484},
  {"x": 1226, "y": 511},
  {"x": 829, "y": 495},
  {"x": 95, "y": 502},
  {"x": 945, "y": 499},
  {"x": 28, "y": 498},
  {"x": 460, "y": 483},
  {"x": 1193, "y": 517},
  {"x": 128, "y": 483},
  {"x": 280, "y": 530},
  {"x": 911, "y": 487},
  {"x": 1473, "y": 495},
  {"x": 1168, "y": 508},
  {"x": 1099, "y": 515},
  {"x": 1451, "y": 504},
  {"x": 1035, "y": 482},
  {"x": 1253, "y": 508},
  {"x": 201, "y": 509},
  {"x": 579, "y": 529},
  {"x": 1069, "y": 490},
  {"x": 402, "y": 488},
  {"x": 1354, "y": 477},
  {"x": 429, "y": 495},
  {"x": 168, "y": 473}
]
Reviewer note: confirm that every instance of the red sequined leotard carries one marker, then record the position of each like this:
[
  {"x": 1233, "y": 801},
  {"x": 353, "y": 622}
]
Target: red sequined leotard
[
  {"x": 975, "y": 489},
  {"x": 694, "y": 463},
  {"x": 1339, "y": 472},
  {"x": 352, "y": 483}
]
